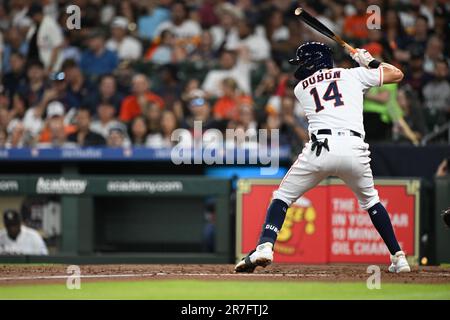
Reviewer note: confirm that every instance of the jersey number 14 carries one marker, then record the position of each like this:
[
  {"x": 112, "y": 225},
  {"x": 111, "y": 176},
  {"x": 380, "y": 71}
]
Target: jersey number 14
[{"x": 332, "y": 93}]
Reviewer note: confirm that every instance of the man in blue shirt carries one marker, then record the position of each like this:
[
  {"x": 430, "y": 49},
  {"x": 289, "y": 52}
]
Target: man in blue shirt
[
  {"x": 97, "y": 60},
  {"x": 147, "y": 24}
]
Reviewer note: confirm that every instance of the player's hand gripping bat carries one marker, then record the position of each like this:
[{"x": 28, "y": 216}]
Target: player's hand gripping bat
[{"x": 320, "y": 27}]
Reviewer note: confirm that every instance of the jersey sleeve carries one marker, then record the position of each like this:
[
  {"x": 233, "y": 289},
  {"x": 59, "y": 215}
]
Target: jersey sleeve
[{"x": 368, "y": 77}]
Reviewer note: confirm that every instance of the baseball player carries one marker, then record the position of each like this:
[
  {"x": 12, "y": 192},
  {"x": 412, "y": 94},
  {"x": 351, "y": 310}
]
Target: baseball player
[{"x": 332, "y": 99}]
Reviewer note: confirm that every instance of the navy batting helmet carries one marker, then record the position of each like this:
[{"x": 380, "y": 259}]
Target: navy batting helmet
[{"x": 311, "y": 57}]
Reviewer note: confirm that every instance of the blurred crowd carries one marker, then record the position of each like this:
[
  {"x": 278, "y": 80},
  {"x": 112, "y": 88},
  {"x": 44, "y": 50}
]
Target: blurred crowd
[{"x": 137, "y": 70}]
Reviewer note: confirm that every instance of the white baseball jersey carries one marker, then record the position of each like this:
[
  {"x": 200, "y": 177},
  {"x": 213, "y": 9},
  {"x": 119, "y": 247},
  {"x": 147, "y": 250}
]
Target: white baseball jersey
[
  {"x": 28, "y": 242},
  {"x": 333, "y": 99}
]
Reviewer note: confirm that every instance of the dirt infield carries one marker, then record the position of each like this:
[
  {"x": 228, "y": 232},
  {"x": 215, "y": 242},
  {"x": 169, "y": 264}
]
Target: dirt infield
[{"x": 34, "y": 274}]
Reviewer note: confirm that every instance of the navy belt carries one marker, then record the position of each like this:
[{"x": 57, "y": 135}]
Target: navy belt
[{"x": 328, "y": 131}]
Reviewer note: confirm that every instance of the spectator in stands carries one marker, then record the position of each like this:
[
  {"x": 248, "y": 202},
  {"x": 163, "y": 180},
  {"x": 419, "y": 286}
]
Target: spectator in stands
[
  {"x": 413, "y": 113},
  {"x": 16, "y": 76},
  {"x": 168, "y": 87},
  {"x": 293, "y": 128},
  {"x": 226, "y": 107},
  {"x": 433, "y": 53},
  {"x": 163, "y": 52},
  {"x": 105, "y": 93},
  {"x": 163, "y": 138},
  {"x": 33, "y": 90},
  {"x": 355, "y": 25},
  {"x": 244, "y": 126},
  {"x": 278, "y": 35},
  {"x": 97, "y": 60},
  {"x": 415, "y": 76},
  {"x": 437, "y": 95},
  {"x": 117, "y": 137},
  {"x": 34, "y": 117},
  {"x": 126, "y": 46},
  {"x": 4, "y": 112},
  {"x": 106, "y": 118},
  {"x": 18, "y": 239},
  {"x": 207, "y": 15},
  {"x": 153, "y": 116},
  {"x": 84, "y": 136},
  {"x": 254, "y": 42},
  {"x": 3, "y": 138},
  {"x": 16, "y": 134},
  {"x": 228, "y": 15},
  {"x": 128, "y": 9},
  {"x": 420, "y": 36},
  {"x": 204, "y": 52},
  {"x": 232, "y": 65},
  {"x": 138, "y": 103},
  {"x": 138, "y": 131},
  {"x": 200, "y": 110},
  {"x": 265, "y": 89},
  {"x": 46, "y": 42},
  {"x": 77, "y": 86},
  {"x": 70, "y": 51},
  {"x": 396, "y": 36},
  {"x": 18, "y": 107},
  {"x": 156, "y": 12},
  {"x": 55, "y": 131},
  {"x": 186, "y": 30},
  {"x": 14, "y": 43}
]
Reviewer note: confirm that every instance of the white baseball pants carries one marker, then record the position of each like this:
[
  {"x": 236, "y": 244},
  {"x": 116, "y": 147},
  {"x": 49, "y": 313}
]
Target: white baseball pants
[{"x": 347, "y": 159}]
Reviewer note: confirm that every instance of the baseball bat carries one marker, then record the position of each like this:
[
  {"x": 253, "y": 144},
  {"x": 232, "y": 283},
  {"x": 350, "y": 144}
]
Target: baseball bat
[{"x": 320, "y": 27}]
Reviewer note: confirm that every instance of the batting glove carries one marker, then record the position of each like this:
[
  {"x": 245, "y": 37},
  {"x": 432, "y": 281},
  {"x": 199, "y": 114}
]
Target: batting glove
[{"x": 362, "y": 57}]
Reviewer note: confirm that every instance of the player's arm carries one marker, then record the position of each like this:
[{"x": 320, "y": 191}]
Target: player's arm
[{"x": 390, "y": 73}]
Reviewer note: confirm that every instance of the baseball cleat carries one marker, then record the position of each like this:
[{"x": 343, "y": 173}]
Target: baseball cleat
[
  {"x": 262, "y": 257},
  {"x": 399, "y": 263}
]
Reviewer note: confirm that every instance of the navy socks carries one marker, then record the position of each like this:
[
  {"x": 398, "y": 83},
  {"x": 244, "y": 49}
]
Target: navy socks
[
  {"x": 382, "y": 223},
  {"x": 274, "y": 221},
  {"x": 378, "y": 214}
]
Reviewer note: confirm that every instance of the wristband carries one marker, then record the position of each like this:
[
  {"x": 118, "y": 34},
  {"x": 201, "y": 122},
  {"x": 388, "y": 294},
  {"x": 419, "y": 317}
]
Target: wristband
[{"x": 374, "y": 64}]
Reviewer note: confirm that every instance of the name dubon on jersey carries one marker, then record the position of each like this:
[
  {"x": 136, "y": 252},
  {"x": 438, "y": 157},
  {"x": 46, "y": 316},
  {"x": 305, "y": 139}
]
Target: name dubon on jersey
[{"x": 333, "y": 98}]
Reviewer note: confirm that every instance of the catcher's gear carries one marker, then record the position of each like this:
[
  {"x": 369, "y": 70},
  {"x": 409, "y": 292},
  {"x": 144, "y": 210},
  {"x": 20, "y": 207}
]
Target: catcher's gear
[
  {"x": 311, "y": 57},
  {"x": 446, "y": 217}
]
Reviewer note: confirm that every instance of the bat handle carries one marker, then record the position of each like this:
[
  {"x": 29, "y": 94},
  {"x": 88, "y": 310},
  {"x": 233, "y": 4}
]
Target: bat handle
[
  {"x": 345, "y": 45},
  {"x": 349, "y": 48}
]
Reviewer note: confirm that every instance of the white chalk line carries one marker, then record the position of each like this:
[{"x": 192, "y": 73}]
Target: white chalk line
[{"x": 156, "y": 275}]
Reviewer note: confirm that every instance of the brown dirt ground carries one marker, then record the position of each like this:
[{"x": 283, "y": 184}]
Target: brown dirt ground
[{"x": 29, "y": 274}]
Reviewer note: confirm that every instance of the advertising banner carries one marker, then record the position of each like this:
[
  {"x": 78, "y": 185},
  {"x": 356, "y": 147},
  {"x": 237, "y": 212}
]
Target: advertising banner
[{"x": 326, "y": 224}]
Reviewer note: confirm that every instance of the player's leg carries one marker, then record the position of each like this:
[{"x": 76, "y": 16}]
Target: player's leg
[
  {"x": 358, "y": 176},
  {"x": 302, "y": 176}
]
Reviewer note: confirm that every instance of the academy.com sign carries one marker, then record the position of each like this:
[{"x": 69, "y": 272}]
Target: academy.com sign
[
  {"x": 9, "y": 185},
  {"x": 144, "y": 186},
  {"x": 61, "y": 186}
]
